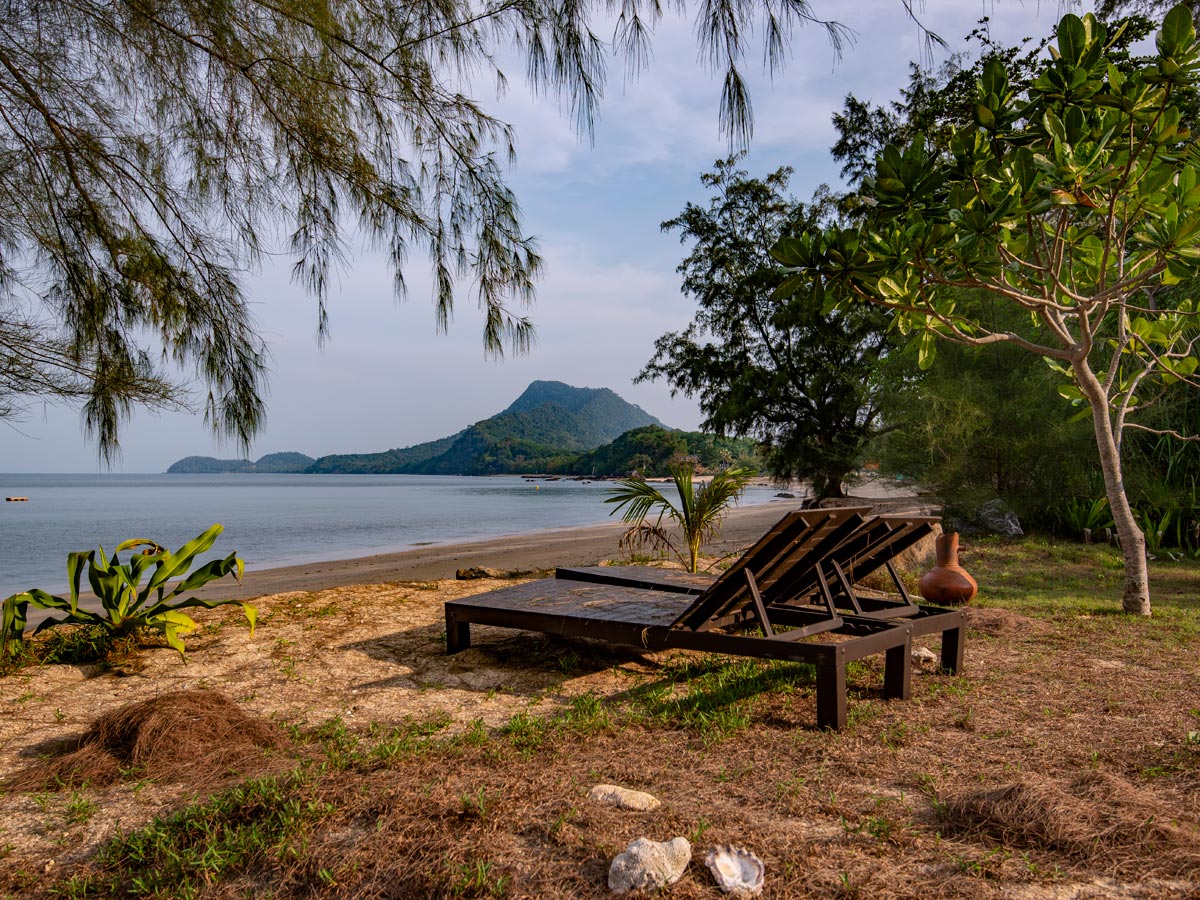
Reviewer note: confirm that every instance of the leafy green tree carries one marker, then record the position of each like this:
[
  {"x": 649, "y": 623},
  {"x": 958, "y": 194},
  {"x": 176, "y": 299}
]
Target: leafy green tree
[
  {"x": 652, "y": 449},
  {"x": 802, "y": 381},
  {"x": 988, "y": 422},
  {"x": 151, "y": 152},
  {"x": 697, "y": 514},
  {"x": 1072, "y": 202}
]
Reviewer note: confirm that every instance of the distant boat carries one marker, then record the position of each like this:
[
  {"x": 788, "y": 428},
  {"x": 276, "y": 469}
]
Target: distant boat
[{"x": 16, "y": 499}]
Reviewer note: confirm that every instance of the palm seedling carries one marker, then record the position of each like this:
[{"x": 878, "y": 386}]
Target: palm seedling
[{"x": 697, "y": 514}]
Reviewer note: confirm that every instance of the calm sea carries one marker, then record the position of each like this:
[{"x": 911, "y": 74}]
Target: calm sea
[{"x": 275, "y": 520}]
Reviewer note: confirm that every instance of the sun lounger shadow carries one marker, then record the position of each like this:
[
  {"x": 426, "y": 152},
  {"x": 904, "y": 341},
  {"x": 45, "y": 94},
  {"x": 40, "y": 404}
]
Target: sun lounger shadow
[
  {"x": 738, "y": 613},
  {"x": 418, "y": 651}
]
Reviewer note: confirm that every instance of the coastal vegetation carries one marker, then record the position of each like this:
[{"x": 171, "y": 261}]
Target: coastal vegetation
[
  {"x": 695, "y": 512},
  {"x": 1072, "y": 200},
  {"x": 652, "y": 450},
  {"x": 126, "y": 605},
  {"x": 275, "y": 463},
  {"x": 807, "y": 384}
]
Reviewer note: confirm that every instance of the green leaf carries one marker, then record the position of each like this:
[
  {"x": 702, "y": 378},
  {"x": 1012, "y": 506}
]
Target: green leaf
[
  {"x": 787, "y": 251},
  {"x": 790, "y": 286},
  {"x": 75, "y": 565},
  {"x": 926, "y": 349},
  {"x": 1054, "y": 126},
  {"x": 211, "y": 571},
  {"x": 172, "y": 624},
  {"x": 134, "y": 542},
  {"x": 889, "y": 287},
  {"x": 13, "y": 616},
  {"x": 995, "y": 78},
  {"x": 1177, "y": 32},
  {"x": 181, "y": 560},
  {"x": 1072, "y": 39}
]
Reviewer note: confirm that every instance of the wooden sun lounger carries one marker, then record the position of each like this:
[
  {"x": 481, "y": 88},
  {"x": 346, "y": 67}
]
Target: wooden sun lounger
[
  {"x": 687, "y": 615},
  {"x": 824, "y": 573},
  {"x": 872, "y": 547}
]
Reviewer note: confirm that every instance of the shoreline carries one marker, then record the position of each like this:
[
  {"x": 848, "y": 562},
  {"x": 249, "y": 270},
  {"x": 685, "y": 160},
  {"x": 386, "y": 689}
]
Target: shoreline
[
  {"x": 580, "y": 545},
  {"x": 577, "y": 545}
]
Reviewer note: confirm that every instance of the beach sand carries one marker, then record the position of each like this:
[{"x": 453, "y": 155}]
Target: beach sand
[{"x": 533, "y": 551}]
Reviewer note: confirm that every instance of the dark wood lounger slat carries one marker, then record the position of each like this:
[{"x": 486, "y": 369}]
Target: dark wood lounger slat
[{"x": 860, "y": 546}]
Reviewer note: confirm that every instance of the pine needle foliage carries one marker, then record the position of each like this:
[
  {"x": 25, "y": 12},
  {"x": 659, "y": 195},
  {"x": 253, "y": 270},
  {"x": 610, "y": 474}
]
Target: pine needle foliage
[{"x": 153, "y": 151}]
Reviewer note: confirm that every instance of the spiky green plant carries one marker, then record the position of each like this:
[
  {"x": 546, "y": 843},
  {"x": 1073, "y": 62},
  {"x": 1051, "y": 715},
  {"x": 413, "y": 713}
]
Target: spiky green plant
[
  {"x": 126, "y": 605},
  {"x": 697, "y": 514}
]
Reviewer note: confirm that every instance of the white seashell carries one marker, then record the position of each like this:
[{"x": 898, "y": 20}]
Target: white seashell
[{"x": 736, "y": 870}]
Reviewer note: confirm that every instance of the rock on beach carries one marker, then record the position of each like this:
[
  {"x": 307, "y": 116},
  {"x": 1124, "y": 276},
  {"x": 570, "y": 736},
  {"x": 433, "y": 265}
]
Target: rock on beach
[
  {"x": 649, "y": 865},
  {"x": 623, "y": 798}
]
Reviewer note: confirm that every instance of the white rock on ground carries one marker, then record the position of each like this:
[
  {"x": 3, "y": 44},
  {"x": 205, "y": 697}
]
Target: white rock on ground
[
  {"x": 924, "y": 655},
  {"x": 649, "y": 865},
  {"x": 623, "y": 798}
]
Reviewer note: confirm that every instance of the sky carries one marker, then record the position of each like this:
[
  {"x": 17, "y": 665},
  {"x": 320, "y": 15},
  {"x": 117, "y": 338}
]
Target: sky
[{"x": 387, "y": 378}]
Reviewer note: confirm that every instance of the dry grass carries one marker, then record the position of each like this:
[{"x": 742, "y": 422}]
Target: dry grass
[
  {"x": 1064, "y": 764},
  {"x": 1098, "y": 821},
  {"x": 202, "y": 737}
]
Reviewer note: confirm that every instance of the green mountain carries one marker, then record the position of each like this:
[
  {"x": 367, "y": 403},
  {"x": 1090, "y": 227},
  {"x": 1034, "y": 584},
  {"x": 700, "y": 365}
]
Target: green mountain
[
  {"x": 650, "y": 450},
  {"x": 548, "y": 424},
  {"x": 387, "y": 462},
  {"x": 274, "y": 463},
  {"x": 551, "y": 427},
  {"x": 283, "y": 462},
  {"x": 207, "y": 465}
]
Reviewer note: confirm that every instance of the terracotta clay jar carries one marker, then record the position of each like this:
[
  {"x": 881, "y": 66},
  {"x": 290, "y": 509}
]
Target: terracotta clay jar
[{"x": 948, "y": 583}]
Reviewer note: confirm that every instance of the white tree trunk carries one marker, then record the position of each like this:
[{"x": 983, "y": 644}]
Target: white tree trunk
[{"x": 1136, "y": 599}]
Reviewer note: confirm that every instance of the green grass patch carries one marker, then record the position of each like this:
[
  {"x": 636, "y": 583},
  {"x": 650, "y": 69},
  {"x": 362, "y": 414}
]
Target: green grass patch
[
  {"x": 714, "y": 696},
  {"x": 71, "y": 645},
  {"x": 1080, "y": 585},
  {"x": 256, "y": 823}
]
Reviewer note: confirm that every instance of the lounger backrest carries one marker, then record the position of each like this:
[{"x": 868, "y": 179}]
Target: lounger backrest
[
  {"x": 798, "y": 540},
  {"x": 866, "y": 549},
  {"x": 887, "y": 538}
]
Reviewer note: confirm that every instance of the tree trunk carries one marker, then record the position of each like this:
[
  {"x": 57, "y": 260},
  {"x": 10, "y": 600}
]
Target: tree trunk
[
  {"x": 1136, "y": 599},
  {"x": 827, "y": 487}
]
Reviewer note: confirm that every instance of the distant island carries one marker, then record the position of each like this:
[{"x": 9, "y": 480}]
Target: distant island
[
  {"x": 274, "y": 463},
  {"x": 552, "y": 428}
]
